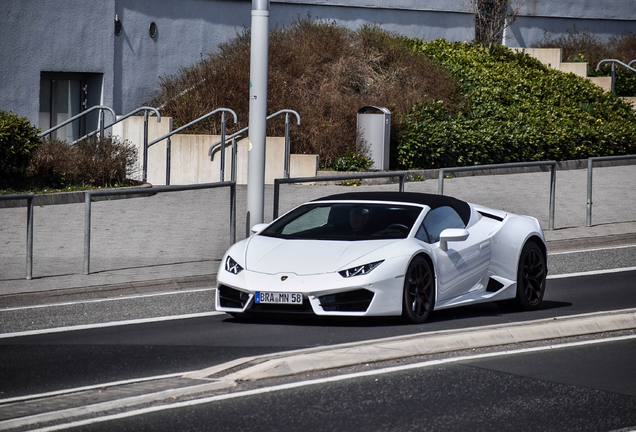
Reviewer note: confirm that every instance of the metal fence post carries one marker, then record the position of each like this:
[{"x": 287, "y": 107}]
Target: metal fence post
[
  {"x": 29, "y": 245},
  {"x": 144, "y": 177},
  {"x": 168, "y": 157},
  {"x": 588, "y": 216},
  {"x": 552, "y": 194},
  {"x": 233, "y": 213},
  {"x": 286, "y": 145},
  {"x": 87, "y": 232},
  {"x": 222, "y": 167}
]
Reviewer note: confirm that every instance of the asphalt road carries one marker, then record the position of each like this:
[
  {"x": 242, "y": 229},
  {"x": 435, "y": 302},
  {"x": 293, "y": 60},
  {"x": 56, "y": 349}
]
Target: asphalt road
[
  {"x": 566, "y": 389},
  {"x": 53, "y": 361}
]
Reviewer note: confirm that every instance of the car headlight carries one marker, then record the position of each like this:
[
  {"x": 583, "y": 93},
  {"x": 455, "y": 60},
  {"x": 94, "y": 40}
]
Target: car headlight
[
  {"x": 232, "y": 266},
  {"x": 360, "y": 270}
]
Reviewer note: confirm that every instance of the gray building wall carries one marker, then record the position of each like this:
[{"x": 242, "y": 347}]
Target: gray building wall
[{"x": 78, "y": 35}]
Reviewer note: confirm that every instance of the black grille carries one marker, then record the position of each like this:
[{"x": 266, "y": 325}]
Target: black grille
[
  {"x": 230, "y": 297},
  {"x": 350, "y": 301}
]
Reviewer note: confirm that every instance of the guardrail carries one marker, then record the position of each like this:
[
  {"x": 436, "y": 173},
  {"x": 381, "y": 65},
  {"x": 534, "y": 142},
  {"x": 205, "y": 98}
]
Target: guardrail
[
  {"x": 590, "y": 164},
  {"x": 551, "y": 164},
  {"x": 82, "y": 114},
  {"x": 614, "y": 62},
  {"x": 88, "y": 196},
  {"x": 278, "y": 182},
  {"x": 29, "y": 245}
]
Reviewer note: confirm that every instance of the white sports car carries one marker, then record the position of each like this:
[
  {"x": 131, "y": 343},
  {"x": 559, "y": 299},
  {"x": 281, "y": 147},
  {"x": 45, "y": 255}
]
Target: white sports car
[{"x": 384, "y": 253}]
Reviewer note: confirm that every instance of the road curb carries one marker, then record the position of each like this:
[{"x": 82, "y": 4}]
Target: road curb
[{"x": 315, "y": 359}]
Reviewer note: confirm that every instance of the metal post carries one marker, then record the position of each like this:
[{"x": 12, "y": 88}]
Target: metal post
[
  {"x": 222, "y": 170},
  {"x": 613, "y": 77},
  {"x": 87, "y": 232},
  {"x": 276, "y": 197},
  {"x": 402, "y": 181},
  {"x": 588, "y": 218},
  {"x": 101, "y": 124},
  {"x": 144, "y": 177},
  {"x": 257, "y": 112},
  {"x": 552, "y": 194},
  {"x": 233, "y": 213},
  {"x": 440, "y": 182},
  {"x": 29, "y": 245},
  {"x": 168, "y": 156},
  {"x": 287, "y": 145},
  {"x": 234, "y": 151}
]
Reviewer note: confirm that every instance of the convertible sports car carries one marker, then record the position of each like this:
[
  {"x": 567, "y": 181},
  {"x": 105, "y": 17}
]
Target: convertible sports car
[{"x": 385, "y": 253}]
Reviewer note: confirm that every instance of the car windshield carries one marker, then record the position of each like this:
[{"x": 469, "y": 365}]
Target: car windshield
[{"x": 345, "y": 221}]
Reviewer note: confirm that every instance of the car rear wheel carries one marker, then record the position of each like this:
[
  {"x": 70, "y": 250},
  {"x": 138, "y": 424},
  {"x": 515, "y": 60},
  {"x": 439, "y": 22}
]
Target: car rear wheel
[
  {"x": 531, "y": 277},
  {"x": 419, "y": 291}
]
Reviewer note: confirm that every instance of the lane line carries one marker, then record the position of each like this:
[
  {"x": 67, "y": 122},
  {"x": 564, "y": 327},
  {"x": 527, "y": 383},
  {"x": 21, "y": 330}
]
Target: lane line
[
  {"x": 326, "y": 380},
  {"x": 130, "y": 297},
  {"x": 591, "y": 273},
  {"x": 109, "y": 324}
]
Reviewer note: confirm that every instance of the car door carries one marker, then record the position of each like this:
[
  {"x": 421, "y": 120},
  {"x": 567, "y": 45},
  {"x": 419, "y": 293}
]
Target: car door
[{"x": 461, "y": 267}]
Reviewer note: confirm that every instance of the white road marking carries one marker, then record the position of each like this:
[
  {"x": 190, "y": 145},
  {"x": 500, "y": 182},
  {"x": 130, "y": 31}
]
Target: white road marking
[
  {"x": 108, "y": 324},
  {"x": 289, "y": 386},
  {"x": 591, "y": 273},
  {"x": 130, "y": 297}
]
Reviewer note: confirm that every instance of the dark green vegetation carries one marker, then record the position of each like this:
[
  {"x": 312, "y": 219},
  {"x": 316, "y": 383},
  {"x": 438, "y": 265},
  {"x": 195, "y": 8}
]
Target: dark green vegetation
[
  {"x": 29, "y": 164},
  {"x": 583, "y": 46},
  {"x": 516, "y": 110},
  {"x": 324, "y": 72}
]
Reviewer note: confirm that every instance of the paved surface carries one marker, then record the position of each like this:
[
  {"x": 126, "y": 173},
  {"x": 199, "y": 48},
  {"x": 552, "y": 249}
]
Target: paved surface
[{"x": 175, "y": 240}]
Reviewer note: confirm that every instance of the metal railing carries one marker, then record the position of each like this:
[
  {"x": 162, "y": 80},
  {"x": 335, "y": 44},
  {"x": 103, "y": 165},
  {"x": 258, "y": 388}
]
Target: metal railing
[
  {"x": 167, "y": 136},
  {"x": 145, "y": 109},
  {"x": 287, "y": 112},
  {"x": 88, "y": 196},
  {"x": 590, "y": 164},
  {"x": 82, "y": 114},
  {"x": 277, "y": 182},
  {"x": 614, "y": 62},
  {"x": 29, "y": 240},
  {"x": 551, "y": 164}
]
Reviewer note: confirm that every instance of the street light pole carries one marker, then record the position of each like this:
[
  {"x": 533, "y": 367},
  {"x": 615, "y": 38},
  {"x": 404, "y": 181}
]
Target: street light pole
[{"x": 258, "y": 113}]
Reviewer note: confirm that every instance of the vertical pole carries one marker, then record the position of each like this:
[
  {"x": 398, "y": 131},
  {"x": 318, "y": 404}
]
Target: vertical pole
[
  {"x": 588, "y": 218},
  {"x": 276, "y": 197},
  {"x": 613, "y": 77},
  {"x": 402, "y": 181},
  {"x": 286, "y": 145},
  {"x": 233, "y": 214},
  {"x": 145, "y": 150},
  {"x": 101, "y": 124},
  {"x": 234, "y": 150},
  {"x": 440, "y": 182},
  {"x": 87, "y": 232},
  {"x": 257, "y": 113},
  {"x": 552, "y": 194},
  {"x": 168, "y": 157},
  {"x": 222, "y": 168},
  {"x": 29, "y": 254}
]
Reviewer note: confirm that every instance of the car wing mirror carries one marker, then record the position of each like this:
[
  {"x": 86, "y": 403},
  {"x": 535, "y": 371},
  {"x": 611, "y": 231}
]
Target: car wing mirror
[
  {"x": 451, "y": 234},
  {"x": 259, "y": 227}
]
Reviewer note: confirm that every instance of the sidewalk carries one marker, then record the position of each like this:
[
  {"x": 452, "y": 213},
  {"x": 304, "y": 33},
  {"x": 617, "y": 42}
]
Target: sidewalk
[{"x": 175, "y": 240}]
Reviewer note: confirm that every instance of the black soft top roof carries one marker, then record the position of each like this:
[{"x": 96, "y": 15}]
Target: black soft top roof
[{"x": 431, "y": 200}]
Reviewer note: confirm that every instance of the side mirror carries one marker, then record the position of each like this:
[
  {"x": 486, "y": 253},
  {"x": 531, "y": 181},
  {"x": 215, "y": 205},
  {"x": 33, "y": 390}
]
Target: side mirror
[
  {"x": 259, "y": 227},
  {"x": 451, "y": 234}
]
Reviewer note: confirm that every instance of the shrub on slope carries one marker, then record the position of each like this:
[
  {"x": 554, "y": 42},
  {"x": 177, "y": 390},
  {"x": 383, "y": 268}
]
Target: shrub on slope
[{"x": 517, "y": 110}]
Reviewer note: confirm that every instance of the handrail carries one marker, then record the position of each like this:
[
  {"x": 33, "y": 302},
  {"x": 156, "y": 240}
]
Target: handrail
[
  {"x": 83, "y": 113},
  {"x": 29, "y": 245},
  {"x": 630, "y": 63},
  {"x": 278, "y": 182},
  {"x": 551, "y": 164},
  {"x": 88, "y": 195},
  {"x": 590, "y": 163},
  {"x": 145, "y": 109},
  {"x": 221, "y": 110},
  {"x": 614, "y": 61},
  {"x": 245, "y": 129}
]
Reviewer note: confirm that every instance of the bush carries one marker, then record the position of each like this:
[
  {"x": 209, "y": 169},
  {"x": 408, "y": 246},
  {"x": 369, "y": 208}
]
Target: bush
[
  {"x": 18, "y": 141},
  {"x": 518, "y": 110},
  {"x": 581, "y": 45},
  {"x": 93, "y": 162},
  {"x": 323, "y": 71}
]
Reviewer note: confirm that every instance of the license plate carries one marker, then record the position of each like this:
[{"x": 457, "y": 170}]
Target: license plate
[{"x": 279, "y": 298}]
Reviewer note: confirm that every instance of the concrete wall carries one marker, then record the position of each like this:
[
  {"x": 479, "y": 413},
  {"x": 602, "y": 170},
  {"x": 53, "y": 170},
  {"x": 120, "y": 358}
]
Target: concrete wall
[{"x": 78, "y": 35}]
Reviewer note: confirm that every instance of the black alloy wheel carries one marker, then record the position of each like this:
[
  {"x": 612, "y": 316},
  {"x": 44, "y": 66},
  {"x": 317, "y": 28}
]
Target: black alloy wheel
[
  {"x": 531, "y": 277},
  {"x": 419, "y": 291}
]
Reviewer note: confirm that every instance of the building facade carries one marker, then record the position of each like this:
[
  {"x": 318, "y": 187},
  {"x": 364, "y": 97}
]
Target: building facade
[{"x": 60, "y": 57}]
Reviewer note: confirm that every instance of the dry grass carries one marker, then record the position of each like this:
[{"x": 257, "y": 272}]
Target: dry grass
[{"x": 324, "y": 71}]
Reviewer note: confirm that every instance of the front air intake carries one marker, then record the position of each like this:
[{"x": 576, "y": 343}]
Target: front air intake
[
  {"x": 232, "y": 298},
  {"x": 350, "y": 301}
]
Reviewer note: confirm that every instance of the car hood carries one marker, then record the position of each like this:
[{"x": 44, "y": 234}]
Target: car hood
[{"x": 306, "y": 257}]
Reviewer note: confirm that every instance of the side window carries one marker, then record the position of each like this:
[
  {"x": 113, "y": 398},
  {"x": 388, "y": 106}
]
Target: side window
[{"x": 437, "y": 220}]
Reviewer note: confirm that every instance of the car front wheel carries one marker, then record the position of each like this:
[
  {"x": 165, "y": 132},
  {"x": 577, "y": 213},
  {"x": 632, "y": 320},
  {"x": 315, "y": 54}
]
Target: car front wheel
[
  {"x": 419, "y": 291},
  {"x": 531, "y": 276}
]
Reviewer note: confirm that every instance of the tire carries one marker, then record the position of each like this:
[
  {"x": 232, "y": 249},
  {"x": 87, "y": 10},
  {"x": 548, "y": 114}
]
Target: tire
[
  {"x": 418, "y": 297},
  {"x": 531, "y": 276}
]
